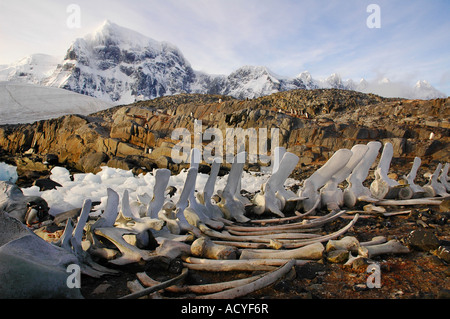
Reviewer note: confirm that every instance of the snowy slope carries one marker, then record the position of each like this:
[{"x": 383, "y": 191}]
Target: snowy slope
[
  {"x": 26, "y": 103},
  {"x": 32, "y": 69}
]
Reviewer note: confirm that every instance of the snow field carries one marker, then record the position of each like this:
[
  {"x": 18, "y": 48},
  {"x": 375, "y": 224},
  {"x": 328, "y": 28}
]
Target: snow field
[{"x": 78, "y": 187}]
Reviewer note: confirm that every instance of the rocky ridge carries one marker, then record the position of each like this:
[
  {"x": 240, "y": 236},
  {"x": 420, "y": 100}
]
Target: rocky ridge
[{"x": 312, "y": 123}]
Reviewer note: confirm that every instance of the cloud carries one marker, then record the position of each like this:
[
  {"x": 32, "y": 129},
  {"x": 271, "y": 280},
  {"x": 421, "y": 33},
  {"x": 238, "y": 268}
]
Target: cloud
[{"x": 288, "y": 36}]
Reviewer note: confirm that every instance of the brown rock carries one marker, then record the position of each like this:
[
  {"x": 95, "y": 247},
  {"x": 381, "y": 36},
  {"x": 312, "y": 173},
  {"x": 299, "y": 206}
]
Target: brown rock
[{"x": 422, "y": 240}]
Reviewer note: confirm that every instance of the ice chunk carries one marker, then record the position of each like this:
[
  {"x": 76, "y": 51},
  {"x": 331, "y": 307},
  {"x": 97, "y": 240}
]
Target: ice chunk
[{"x": 8, "y": 173}]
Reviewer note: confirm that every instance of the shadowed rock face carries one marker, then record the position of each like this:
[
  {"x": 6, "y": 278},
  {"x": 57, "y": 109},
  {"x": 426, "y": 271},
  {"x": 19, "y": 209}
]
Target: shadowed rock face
[{"x": 313, "y": 125}]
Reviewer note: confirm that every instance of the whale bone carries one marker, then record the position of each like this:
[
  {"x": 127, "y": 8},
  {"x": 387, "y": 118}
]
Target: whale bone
[
  {"x": 205, "y": 196},
  {"x": 384, "y": 187},
  {"x": 434, "y": 187},
  {"x": 418, "y": 191},
  {"x": 320, "y": 177},
  {"x": 443, "y": 178},
  {"x": 355, "y": 188},
  {"x": 331, "y": 196},
  {"x": 232, "y": 207},
  {"x": 162, "y": 177},
  {"x": 273, "y": 196}
]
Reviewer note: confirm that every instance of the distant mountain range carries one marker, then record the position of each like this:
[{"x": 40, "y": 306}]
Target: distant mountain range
[{"x": 121, "y": 66}]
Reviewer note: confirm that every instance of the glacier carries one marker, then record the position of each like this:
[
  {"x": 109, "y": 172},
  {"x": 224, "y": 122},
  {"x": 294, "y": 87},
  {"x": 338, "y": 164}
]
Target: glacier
[{"x": 27, "y": 103}]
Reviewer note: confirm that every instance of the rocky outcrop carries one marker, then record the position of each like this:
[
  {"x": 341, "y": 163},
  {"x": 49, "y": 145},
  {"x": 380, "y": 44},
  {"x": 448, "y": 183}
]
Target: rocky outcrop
[{"x": 313, "y": 124}]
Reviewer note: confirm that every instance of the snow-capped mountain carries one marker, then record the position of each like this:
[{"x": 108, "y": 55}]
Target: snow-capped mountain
[
  {"x": 121, "y": 66},
  {"x": 31, "y": 69},
  {"x": 27, "y": 103},
  {"x": 425, "y": 91}
]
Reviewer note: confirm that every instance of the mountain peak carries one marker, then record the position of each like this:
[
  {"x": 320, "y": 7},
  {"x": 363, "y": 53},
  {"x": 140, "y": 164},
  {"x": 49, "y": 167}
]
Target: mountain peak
[{"x": 110, "y": 33}]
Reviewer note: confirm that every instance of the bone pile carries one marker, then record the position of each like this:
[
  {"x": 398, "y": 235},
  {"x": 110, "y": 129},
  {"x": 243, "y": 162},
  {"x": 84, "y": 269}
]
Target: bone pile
[{"x": 221, "y": 230}]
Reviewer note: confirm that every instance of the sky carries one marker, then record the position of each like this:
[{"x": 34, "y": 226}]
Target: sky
[{"x": 411, "y": 42}]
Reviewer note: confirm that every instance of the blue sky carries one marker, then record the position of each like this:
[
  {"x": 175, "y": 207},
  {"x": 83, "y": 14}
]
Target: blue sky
[{"x": 287, "y": 36}]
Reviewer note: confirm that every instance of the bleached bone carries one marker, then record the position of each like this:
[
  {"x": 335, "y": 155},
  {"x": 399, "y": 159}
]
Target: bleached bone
[
  {"x": 383, "y": 186},
  {"x": 260, "y": 283},
  {"x": 418, "y": 191},
  {"x": 287, "y": 162},
  {"x": 298, "y": 225},
  {"x": 434, "y": 187},
  {"x": 166, "y": 251},
  {"x": 276, "y": 157},
  {"x": 293, "y": 234},
  {"x": 167, "y": 214},
  {"x": 109, "y": 216},
  {"x": 238, "y": 262},
  {"x": 286, "y": 219},
  {"x": 373, "y": 208},
  {"x": 141, "y": 292},
  {"x": 66, "y": 236},
  {"x": 352, "y": 259},
  {"x": 284, "y": 238},
  {"x": 78, "y": 232},
  {"x": 71, "y": 241},
  {"x": 99, "y": 252},
  {"x": 322, "y": 176},
  {"x": 171, "y": 249},
  {"x": 274, "y": 196},
  {"x": 331, "y": 196},
  {"x": 244, "y": 200},
  {"x": 130, "y": 253},
  {"x": 249, "y": 245},
  {"x": 408, "y": 202},
  {"x": 183, "y": 201},
  {"x": 309, "y": 252},
  {"x": 130, "y": 220},
  {"x": 347, "y": 243},
  {"x": 204, "y": 247},
  {"x": 194, "y": 220},
  {"x": 197, "y": 207},
  {"x": 136, "y": 288},
  {"x": 391, "y": 247},
  {"x": 208, "y": 191},
  {"x": 355, "y": 181},
  {"x": 304, "y": 242},
  {"x": 162, "y": 177},
  {"x": 231, "y": 207},
  {"x": 213, "y": 265},
  {"x": 230, "y": 265},
  {"x": 147, "y": 281},
  {"x": 374, "y": 241},
  {"x": 443, "y": 178}
]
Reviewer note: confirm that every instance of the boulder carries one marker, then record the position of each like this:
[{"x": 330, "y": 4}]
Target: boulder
[
  {"x": 30, "y": 267},
  {"x": 422, "y": 240}
]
